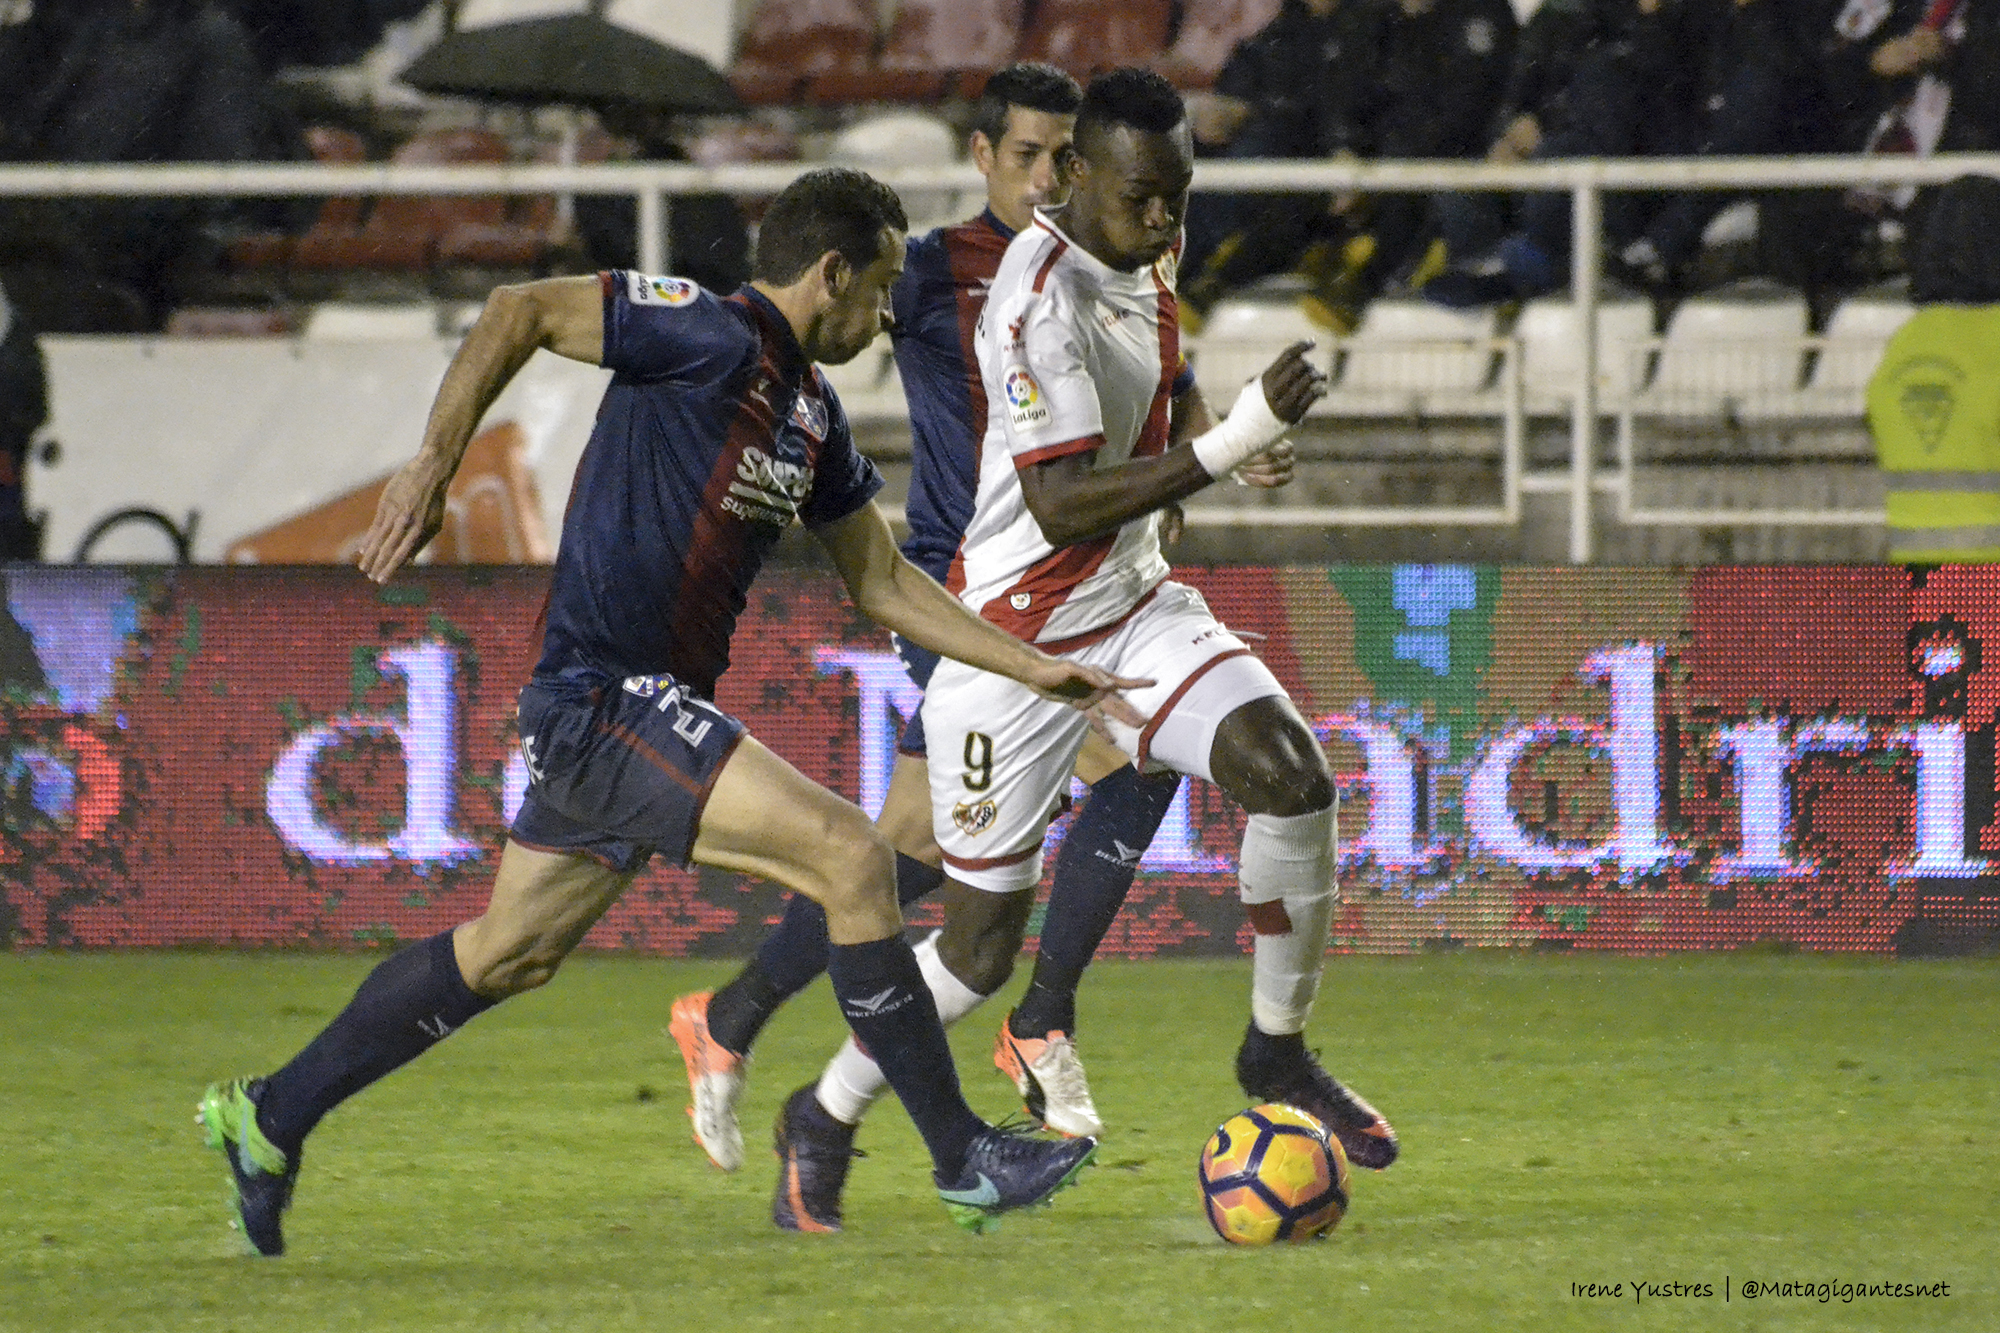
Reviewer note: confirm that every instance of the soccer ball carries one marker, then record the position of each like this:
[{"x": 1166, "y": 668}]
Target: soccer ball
[{"x": 1272, "y": 1173}]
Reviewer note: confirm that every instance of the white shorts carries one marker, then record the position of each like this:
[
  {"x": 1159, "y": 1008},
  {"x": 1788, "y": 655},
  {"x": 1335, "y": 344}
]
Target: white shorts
[{"x": 1001, "y": 756}]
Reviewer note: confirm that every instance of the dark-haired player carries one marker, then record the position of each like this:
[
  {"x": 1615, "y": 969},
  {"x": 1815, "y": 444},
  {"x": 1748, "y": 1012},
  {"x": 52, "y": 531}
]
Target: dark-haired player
[
  {"x": 1022, "y": 125},
  {"x": 715, "y": 434},
  {"x": 1092, "y": 429}
]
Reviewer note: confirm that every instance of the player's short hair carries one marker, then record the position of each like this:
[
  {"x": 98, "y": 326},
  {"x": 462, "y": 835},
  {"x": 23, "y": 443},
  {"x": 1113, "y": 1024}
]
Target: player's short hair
[
  {"x": 1029, "y": 84},
  {"x": 829, "y": 208},
  {"x": 1138, "y": 99}
]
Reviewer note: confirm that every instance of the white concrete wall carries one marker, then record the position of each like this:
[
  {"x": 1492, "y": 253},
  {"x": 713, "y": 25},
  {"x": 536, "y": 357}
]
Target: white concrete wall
[{"x": 248, "y": 432}]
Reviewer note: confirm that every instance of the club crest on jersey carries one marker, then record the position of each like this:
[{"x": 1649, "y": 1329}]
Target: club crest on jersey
[
  {"x": 1020, "y": 600},
  {"x": 809, "y": 415},
  {"x": 1024, "y": 397},
  {"x": 1168, "y": 267},
  {"x": 974, "y": 817},
  {"x": 644, "y": 290}
]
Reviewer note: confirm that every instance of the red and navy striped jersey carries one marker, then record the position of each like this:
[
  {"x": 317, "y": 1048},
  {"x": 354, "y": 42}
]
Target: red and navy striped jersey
[
  {"x": 946, "y": 274},
  {"x": 714, "y": 434}
]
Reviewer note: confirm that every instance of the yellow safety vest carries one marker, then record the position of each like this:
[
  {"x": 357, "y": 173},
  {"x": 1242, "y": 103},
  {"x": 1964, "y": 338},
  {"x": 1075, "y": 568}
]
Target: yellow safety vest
[{"x": 1934, "y": 410}]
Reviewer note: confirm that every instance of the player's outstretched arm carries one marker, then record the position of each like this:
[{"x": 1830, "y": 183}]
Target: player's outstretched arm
[
  {"x": 898, "y": 596},
  {"x": 1073, "y": 500},
  {"x": 565, "y": 315}
]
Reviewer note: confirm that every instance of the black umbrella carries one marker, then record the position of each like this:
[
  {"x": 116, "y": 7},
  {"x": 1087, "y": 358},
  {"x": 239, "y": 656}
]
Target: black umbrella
[{"x": 582, "y": 59}]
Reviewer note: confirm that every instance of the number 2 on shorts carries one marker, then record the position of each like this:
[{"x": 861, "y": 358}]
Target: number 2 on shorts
[{"x": 978, "y": 761}]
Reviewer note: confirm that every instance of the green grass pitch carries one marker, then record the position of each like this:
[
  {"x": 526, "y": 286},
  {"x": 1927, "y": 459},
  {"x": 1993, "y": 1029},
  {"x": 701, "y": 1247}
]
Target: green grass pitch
[{"x": 1565, "y": 1119}]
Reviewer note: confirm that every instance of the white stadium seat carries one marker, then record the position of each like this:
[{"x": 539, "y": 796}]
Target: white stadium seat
[
  {"x": 1855, "y": 337},
  {"x": 1728, "y": 354},
  {"x": 897, "y": 139},
  {"x": 1240, "y": 338},
  {"x": 339, "y": 321},
  {"x": 1551, "y": 357},
  {"x": 1412, "y": 358}
]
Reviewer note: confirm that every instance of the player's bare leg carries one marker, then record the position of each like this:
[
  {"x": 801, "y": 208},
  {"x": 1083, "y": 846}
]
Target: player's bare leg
[
  {"x": 1268, "y": 761},
  {"x": 1036, "y": 1045},
  {"x": 542, "y": 905},
  {"x": 714, "y": 1031},
  {"x": 905, "y": 821},
  {"x": 828, "y": 850}
]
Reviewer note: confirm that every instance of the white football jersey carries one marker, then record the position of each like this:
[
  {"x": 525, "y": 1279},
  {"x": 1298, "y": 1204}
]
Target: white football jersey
[{"x": 1075, "y": 356}]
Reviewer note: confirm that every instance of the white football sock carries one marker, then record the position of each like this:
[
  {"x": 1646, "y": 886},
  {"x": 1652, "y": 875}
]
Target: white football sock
[
  {"x": 1289, "y": 860},
  {"x": 852, "y": 1080}
]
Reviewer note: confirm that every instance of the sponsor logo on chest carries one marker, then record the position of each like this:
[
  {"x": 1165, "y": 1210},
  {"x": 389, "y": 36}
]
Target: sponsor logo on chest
[{"x": 766, "y": 489}]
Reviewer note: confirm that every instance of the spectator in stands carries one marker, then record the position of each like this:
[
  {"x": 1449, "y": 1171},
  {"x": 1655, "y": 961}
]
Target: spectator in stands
[
  {"x": 1934, "y": 404},
  {"x": 710, "y": 243},
  {"x": 1688, "y": 78},
  {"x": 1415, "y": 78},
  {"x": 1906, "y": 75},
  {"x": 1534, "y": 104},
  {"x": 317, "y": 32},
  {"x": 1442, "y": 70},
  {"x": 1890, "y": 77},
  {"x": 128, "y": 81},
  {"x": 1286, "y": 91},
  {"x": 24, "y": 406}
]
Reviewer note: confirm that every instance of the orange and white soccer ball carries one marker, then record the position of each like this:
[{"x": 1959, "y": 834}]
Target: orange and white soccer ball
[{"x": 1272, "y": 1173}]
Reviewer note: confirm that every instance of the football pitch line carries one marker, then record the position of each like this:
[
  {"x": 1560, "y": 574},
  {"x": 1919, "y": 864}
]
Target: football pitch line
[{"x": 1826, "y": 1126}]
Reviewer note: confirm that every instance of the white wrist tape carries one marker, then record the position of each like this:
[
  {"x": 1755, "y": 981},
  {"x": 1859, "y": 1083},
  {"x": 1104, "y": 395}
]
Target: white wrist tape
[{"x": 1250, "y": 428}]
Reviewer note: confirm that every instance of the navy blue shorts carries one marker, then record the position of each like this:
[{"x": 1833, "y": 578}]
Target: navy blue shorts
[
  {"x": 618, "y": 773},
  {"x": 919, "y": 662}
]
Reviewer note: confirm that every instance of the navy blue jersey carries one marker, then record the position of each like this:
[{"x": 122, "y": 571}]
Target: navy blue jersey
[
  {"x": 946, "y": 274},
  {"x": 714, "y": 434}
]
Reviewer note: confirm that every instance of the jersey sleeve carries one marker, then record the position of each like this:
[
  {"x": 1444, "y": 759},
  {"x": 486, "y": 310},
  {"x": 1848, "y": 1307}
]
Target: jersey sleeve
[
  {"x": 1048, "y": 404},
  {"x": 843, "y": 478},
  {"x": 660, "y": 328}
]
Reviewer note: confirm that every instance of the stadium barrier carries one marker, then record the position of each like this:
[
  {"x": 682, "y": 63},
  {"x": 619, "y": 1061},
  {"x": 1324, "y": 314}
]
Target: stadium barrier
[
  {"x": 1604, "y": 759},
  {"x": 1587, "y": 180}
]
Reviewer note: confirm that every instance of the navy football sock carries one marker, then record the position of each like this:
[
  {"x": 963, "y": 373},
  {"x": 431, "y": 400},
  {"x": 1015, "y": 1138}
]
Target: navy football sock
[
  {"x": 412, "y": 1001},
  {"x": 791, "y": 957},
  {"x": 741, "y": 1006},
  {"x": 1099, "y": 857},
  {"x": 882, "y": 995}
]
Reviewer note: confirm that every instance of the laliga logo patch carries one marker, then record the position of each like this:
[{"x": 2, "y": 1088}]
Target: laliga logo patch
[
  {"x": 1024, "y": 397},
  {"x": 1019, "y": 601},
  {"x": 974, "y": 819},
  {"x": 809, "y": 415},
  {"x": 645, "y": 290}
]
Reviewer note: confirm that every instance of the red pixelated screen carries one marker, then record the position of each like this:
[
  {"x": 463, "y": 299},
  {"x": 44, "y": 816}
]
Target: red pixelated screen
[{"x": 1638, "y": 760}]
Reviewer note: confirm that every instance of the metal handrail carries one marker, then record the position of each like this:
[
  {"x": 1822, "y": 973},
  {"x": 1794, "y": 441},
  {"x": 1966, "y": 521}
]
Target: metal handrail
[{"x": 653, "y": 183}]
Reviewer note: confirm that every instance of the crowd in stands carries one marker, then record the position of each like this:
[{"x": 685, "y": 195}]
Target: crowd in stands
[
  {"x": 1586, "y": 78},
  {"x": 192, "y": 80},
  {"x": 149, "y": 81}
]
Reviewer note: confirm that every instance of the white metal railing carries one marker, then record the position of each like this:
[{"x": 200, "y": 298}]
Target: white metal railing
[
  {"x": 1766, "y": 382},
  {"x": 1586, "y": 180},
  {"x": 1503, "y": 399}
]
